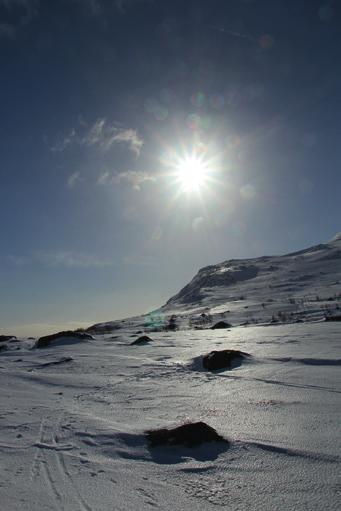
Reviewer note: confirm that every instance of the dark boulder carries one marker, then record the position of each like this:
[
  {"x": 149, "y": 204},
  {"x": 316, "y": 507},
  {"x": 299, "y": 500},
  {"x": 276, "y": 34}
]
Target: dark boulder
[
  {"x": 62, "y": 360},
  {"x": 333, "y": 318},
  {"x": 45, "y": 341},
  {"x": 221, "y": 324},
  {"x": 5, "y": 338},
  {"x": 224, "y": 359},
  {"x": 103, "y": 328},
  {"x": 189, "y": 435},
  {"x": 144, "y": 339}
]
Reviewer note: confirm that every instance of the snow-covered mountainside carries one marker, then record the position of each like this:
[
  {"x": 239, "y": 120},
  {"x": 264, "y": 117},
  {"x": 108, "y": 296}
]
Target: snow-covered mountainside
[
  {"x": 77, "y": 408},
  {"x": 301, "y": 286},
  {"x": 310, "y": 275}
]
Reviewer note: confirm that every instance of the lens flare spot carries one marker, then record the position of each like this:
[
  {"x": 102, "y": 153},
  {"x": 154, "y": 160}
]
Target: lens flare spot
[
  {"x": 217, "y": 101},
  {"x": 198, "y": 99},
  {"x": 248, "y": 192},
  {"x": 266, "y": 42}
]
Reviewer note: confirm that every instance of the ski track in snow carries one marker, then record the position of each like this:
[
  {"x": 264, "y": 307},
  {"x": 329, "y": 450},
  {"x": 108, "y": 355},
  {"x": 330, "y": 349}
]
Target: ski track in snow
[{"x": 49, "y": 465}]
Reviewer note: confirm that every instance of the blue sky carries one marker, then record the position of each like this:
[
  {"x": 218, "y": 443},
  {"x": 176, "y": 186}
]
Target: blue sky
[{"x": 102, "y": 102}]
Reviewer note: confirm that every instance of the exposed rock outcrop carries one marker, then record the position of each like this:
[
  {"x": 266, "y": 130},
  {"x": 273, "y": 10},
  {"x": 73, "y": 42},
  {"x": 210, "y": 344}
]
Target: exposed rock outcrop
[
  {"x": 224, "y": 359},
  {"x": 333, "y": 317},
  {"x": 5, "y": 338},
  {"x": 189, "y": 435},
  {"x": 62, "y": 337},
  {"x": 144, "y": 339},
  {"x": 221, "y": 324}
]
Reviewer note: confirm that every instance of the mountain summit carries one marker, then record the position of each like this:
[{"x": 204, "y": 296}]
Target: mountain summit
[{"x": 337, "y": 237}]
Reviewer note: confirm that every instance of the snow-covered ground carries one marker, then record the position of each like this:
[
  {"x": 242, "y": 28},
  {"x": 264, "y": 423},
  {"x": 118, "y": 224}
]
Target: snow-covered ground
[
  {"x": 72, "y": 433},
  {"x": 73, "y": 415}
]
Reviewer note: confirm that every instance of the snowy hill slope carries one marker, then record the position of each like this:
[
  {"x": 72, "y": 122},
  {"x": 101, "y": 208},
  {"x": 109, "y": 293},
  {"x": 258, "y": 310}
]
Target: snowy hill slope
[
  {"x": 301, "y": 286},
  {"x": 310, "y": 275}
]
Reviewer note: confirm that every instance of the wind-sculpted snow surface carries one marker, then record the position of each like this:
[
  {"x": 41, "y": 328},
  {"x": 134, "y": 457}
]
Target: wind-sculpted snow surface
[{"x": 73, "y": 420}]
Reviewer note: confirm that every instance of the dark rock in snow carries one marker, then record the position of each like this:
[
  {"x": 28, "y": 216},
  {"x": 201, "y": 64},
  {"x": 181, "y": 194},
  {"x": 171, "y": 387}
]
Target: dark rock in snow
[
  {"x": 62, "y": 360},
  {"x": 45, "y": 341},
  {"x": 103, "y": 328},
  {"x": 333, "y": 318},
  {"x": 189, "y": 435},
  {"x": 4, "y": 338},
  {"x": 224, "y": 359},
  {"x": 221, "y": 324},
  {"x": 144, "y": 339}
]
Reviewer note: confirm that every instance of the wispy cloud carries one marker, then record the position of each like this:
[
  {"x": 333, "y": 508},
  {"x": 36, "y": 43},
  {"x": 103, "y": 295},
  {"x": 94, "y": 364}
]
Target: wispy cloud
[
  {"x": 73, "y": 179},
  {"x": 134, "y": 178},
  {"x": 18, "y": 260},
  {"x": 65, "y": 258},
  {"x": 95, "y": 135},
  {"x": 139, "y": 260},
  {"x": 128, "y": 136},
  {"x": 103, "y": 136},
  {"x": 105, "y": 178},
  {"x": 64, "y": 142}
]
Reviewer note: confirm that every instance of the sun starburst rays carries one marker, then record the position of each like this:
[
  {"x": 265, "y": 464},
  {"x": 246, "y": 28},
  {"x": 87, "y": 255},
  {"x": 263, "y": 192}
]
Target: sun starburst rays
[{"x": 191, "y": 174}]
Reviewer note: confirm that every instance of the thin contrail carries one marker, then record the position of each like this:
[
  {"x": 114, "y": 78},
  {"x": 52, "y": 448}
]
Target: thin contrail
[{"x": 232, "y": 32}]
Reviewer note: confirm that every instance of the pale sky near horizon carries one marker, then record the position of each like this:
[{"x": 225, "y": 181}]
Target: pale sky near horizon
[{"x": 102, "y": 104}]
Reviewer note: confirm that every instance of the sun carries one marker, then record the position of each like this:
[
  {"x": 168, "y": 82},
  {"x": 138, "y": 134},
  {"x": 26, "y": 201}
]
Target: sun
[{"x": 191, "y": 173}]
